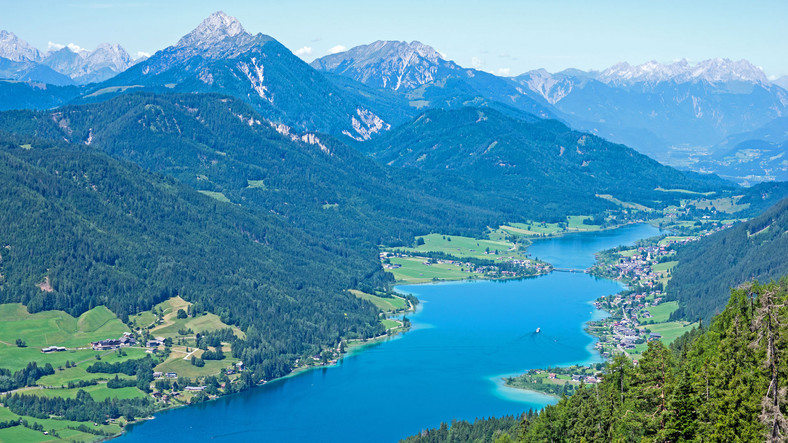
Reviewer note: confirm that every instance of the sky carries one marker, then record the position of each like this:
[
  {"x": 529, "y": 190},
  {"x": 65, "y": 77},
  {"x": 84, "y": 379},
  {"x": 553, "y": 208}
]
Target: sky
[{"x": 499, "y": 36}]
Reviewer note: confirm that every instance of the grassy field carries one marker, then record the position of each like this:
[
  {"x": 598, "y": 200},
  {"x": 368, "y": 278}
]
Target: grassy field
[
  {"x": 384, "y": 304},
  {"x": 22, "y": 434},
  {"x": 99, "y": 392},
  {"x": 414, "y": 270},
  {"x": 669, "y": 331},
  {"x": 256, "y": 184},
  {"x": 79, "y": 372},
  {"x": 533, "y": 229},
  {"x": 661, "y": 312},
  {"x": 672, "y": 238},
  {"x": 726, "y": 204},
  {"x": 465, "y": 247},
  {"x": 172, "y": 324},
  {"x": 14, "y": 358},
  {"x": 390, "y": 324},
  {"x": 216, "y": 195},
  {"x": 49, "y": 328},
  {"x": 623, "y": 204},
  {"x": 664, "y": 267},
  {"x": 184, "y": 368},
  {"x": 143, "y": 319},
  {"x": 685, "y": 191},
  {"x": 575, "y": 222}
]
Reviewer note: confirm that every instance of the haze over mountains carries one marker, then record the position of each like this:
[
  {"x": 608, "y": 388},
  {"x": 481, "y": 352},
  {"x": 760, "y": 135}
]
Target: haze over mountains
[{"x": 66, "y": 65}]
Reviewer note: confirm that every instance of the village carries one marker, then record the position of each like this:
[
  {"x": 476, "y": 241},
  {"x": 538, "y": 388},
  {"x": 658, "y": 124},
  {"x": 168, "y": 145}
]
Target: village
[{"x": 641, "y": 313}]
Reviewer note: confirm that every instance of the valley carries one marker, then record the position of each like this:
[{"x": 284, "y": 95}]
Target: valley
[{"x": 382, "y": 241}]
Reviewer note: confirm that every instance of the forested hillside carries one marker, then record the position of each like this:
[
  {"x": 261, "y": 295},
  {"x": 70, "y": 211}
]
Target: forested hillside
[
  {"x": 80, "y": 229},
  {"x": 221, "y": 145},
  {"x": 721, "y": 384},
  {"x": 707, "y": 269},
  {"x": 539, "y": 163}
]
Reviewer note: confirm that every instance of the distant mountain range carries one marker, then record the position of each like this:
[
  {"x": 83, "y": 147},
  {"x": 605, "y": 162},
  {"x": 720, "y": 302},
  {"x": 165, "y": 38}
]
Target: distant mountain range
[
  {"x": 68, "y": 65},
  {"x": 752, "y": 156},
  {"x": 659, "y": 109},
  {"x": 678, "y": 113},
  {"x": 663, "y": 109}
]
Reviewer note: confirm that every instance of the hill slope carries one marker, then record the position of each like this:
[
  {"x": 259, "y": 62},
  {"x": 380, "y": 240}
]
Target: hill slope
[
  {"x": 80, "y": 229},
  {"x": 756, "y": 249},
  {"x": 542, "y": 163},
  {"x": 219, "y": 144}
]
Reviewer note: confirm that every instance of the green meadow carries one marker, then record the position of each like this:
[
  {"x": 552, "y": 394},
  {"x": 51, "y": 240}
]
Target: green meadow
[
  {"x": 465, "y": 247},
  {"x": 660, "y": 313},
  {"x": 414, "y": 270},
  {"x": 50, "y": 328},
  {"x": 385, "y": 304}
]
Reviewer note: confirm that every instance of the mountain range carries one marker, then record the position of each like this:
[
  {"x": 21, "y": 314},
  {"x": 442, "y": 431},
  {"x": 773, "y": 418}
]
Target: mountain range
[
  {"x": 67, "y": 65},
  {"x": 672, "y": 112},
  {"x": 663, "y": 110}
]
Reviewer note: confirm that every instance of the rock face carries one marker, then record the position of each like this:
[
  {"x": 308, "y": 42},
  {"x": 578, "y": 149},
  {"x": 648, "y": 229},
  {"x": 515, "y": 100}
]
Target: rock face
[
  {"x": 420, "y": 73},
  {"x": 400, "y": 66},
  {"x": 220, "y": 56},
  {"x": 73, "y": 66},
  {"x": 15, "y": 49},
  {"x": 83, "y": 67}
]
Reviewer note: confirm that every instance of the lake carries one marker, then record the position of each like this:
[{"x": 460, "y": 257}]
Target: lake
[{"x": 465, "y": 337}]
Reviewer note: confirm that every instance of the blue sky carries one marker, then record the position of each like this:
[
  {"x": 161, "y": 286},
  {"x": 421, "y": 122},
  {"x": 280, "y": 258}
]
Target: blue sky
[{"x": 499, "y": 36}]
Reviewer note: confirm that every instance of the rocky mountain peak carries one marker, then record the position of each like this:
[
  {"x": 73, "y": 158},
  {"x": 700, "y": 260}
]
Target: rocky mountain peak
[
  {"x": 217, "y": 27},
  {"x": 715, "y": 70},
  {"x": 16, "y": 49}
]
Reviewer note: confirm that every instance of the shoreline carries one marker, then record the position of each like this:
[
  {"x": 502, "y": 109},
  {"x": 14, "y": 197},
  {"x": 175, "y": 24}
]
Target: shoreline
[
  {"x": 357, "y": 347},
  {"x": 351, "y": 350}
]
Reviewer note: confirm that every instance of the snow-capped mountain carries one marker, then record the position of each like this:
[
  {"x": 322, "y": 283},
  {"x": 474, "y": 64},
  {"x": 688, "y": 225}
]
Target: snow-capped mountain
[
  {"x": 396, "y": 65},
  {"x": 781, "y": 82},
  {"x": 79, "y": 65},
  {"x": 657, "y": 108},
  {"x": 83, "y": 67},
  {"x": 220, "y": 56},
  {"x": 717, "y": 70},
  {"x": 15, "y": 49},
  {"x": 426, "y": 79}
]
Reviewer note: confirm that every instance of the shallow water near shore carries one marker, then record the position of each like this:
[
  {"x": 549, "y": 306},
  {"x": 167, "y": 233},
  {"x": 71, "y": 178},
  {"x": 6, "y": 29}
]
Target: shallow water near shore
[{"x": 465, "y": 337}]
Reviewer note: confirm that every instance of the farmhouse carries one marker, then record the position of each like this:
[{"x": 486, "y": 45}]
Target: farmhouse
[
  {"x": 105, "y": 345},
  {"x": 53, "y": 349}
]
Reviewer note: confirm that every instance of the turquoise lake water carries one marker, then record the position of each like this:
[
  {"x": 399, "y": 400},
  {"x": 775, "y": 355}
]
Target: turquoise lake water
[{"x": 465, "y": 337}]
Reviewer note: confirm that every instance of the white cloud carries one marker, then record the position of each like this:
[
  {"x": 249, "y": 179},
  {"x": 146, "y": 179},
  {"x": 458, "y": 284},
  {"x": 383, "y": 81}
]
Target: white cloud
[
  {"x": 443, "y": 55},
  {"x": 76, "y": 48},
  {"x": 337, "y": 49},
  {"x": 772, "y": 78},
  {"x": 141, "y": 54},
  {"x": 306, "y": 50},
  {"x": 505, "y": 72},
  {"x": 52, "y": 46},
  {"x": 476, "y": 62}
]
